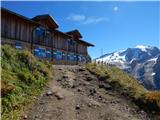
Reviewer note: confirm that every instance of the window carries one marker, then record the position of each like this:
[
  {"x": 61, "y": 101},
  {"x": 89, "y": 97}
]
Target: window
[
  {"x": 75, "y": 57},
  {"x": 55, "y": 55},
  {"x": 79, "y": 58},
  {"x": 63, "y": 55},
  {"x": 59, "y": 55},
  {"x": 72, "y": 57},
  {"x": 36, "y": 52},
  {"x": 69, "y": 57},
  {"x": 48, "y": 53},
  {"x": 40, "y": 52},
  {"x": 18, "y": 45},
  {"x": 39, "y": 31}
]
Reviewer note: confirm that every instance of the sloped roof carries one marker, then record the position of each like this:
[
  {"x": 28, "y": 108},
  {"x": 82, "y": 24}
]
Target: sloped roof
[
  {"x": 87, "y": 43},
  {"x": 75, "y": 32},
  {"x": 18, "y": 15},
  {"x": 46, "y": 16},
  {"x": 68, "y": 36}
]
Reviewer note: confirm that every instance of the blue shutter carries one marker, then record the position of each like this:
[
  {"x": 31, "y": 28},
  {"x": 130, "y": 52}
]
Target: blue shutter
[
  {"x": 68, "y": 56},
  {"x": 59, "y": 55},
  {"x": 42, "y": 53},
  {"x": 48, "y": 54},
  {"x": 36, "y": 52},
  {"x": 63, "y": 56},
  {"x": 39, "y": 31},
  {"x": 18, "y": 45},
  {"x": 75, "y": 57},
  {"x": 79, "y": 58},
  {"x": 55, "y": 55}
]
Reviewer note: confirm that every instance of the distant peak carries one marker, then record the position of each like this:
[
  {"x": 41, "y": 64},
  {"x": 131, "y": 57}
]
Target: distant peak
[{"x": 143, "y": 47}]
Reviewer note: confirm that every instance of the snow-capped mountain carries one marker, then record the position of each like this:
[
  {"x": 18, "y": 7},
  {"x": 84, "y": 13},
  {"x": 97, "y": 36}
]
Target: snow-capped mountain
[{"x": 143, "y": 62}]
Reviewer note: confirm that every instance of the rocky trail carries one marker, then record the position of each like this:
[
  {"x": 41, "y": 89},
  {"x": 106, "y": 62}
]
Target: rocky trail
[{"x": 76, "y": 94}]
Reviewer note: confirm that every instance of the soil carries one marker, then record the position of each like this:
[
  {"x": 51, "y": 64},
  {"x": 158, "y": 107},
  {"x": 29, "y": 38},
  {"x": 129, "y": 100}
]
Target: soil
[{"x": 76, "y": 94}]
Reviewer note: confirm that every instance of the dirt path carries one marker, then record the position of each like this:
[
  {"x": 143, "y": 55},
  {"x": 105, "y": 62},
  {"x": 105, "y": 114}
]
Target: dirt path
[{"x": 75, "y": 94}]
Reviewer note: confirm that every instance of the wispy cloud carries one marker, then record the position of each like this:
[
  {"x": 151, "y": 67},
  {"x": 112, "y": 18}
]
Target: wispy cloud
[
  {"x": 115, "y": 8},
  {"x": 82, "y": 19}
]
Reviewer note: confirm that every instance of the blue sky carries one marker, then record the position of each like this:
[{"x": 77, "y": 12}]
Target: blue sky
[{"x": 110, "y": 26}]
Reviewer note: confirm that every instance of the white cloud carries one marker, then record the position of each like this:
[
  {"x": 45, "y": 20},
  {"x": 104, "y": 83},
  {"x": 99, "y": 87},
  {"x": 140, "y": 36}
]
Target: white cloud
[
  {"x": 82, "y": 19},
  {"x": 76, "y": 17},
  {"x": 115, "y": 8}
]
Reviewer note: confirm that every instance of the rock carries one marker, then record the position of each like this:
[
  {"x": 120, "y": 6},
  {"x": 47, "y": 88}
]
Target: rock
[
  {"x": 49, "y": 93},
  {"x": 41, "y": 102},
  {"x": 89, "y": 78},
  {"x": 85, "y": 83},
  {"x": 25, "y": 116},
  {"x": 86, "y": 74},
  {"x": 73, "y": 86},
  {"x": 94, "y": 103},
  {"x": 59, "y": 80},
  {"x": 59, "y": 97},
  {"x": 92, "y": 91},
  {"x": 142, "y": 112},
  {"x": 89, "y": 104},
  {"x": 36, "y": 116},
  {"x": 100, "y": 97},
  {"x": 81, "y": 69},
  {"x": 105, "y": 86},
  {"x": 77, "y": 107},
  {"x": 65, "y": 76},
  {"x": 79, "y": 89}
]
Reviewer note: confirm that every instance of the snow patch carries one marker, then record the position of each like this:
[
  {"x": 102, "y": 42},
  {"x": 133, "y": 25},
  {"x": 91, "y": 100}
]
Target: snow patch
[
  {"x": 153, "y": 59},
  {"x": 153, "y": 74},
  {"x": 142, "y": 47}
]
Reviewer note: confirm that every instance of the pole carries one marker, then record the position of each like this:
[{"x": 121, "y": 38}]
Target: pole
[{"x": 102, "y": 55}]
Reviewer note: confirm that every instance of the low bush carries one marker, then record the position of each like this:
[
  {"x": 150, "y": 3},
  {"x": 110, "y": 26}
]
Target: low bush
[
  {"x": 23, "y": 78},
  {"x": 128, "y": 86}
]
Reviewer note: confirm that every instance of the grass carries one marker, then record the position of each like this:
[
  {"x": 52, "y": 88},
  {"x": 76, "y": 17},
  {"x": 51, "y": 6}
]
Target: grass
[
  {"x": 126, "y": 84},
  {"x": 22, "y": 78}
]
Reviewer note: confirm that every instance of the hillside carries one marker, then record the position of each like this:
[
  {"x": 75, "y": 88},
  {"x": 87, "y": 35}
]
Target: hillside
[
  {"x": 92, "y": 93},
  {"x": 22, "y": 79},
  {"x": 89, "y": 92},
  {"x": 142, "y": 62}
]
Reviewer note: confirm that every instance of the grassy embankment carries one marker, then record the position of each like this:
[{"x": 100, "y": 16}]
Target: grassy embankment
[
  {"x": 118, "y": 79},
  {"x": 22, "y": 78}
]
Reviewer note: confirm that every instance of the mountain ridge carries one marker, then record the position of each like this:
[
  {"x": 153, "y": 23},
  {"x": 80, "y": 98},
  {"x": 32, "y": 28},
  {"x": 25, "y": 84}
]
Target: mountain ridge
[{"x": 142, "y": 62}]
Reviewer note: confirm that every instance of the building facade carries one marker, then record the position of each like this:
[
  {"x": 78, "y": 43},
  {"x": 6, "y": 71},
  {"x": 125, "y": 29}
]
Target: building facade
[{"x": 41, "y": 36}]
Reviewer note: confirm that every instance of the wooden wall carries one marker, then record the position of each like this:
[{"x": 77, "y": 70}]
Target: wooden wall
[
  {"x": 18, "y": 29},
  {"x": 15, "y": 28}
]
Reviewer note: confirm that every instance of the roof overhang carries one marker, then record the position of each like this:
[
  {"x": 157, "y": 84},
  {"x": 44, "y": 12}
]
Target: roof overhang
[
  {"x": 87, "y": 43},
  {"x": 75, "y": 33},
  {"x": 48, "y": 18},
  {"x": 62, "y": 33},
  {"x": 18, "y": 15}
]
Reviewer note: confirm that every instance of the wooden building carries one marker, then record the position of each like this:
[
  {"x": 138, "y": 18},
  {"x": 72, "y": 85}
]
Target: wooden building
[{"x": 41, "y": 36}]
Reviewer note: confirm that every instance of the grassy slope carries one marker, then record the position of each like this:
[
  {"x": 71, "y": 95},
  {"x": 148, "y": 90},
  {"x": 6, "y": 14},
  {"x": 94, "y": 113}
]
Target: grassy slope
[
  {"x": 22, "y": 78},
  {"x": 147, "y": 100}
]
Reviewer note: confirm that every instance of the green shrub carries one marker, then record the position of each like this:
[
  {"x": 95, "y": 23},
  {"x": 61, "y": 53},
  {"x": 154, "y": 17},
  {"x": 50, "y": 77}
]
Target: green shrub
[
  {"x": 23, "y": 77},
  {"x": 147, "y": 100}
]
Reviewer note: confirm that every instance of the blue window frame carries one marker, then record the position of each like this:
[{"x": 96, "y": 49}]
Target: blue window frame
[
  {"x": 48, "y": 53},
  {"x": 79, "y": 58},
  {"x": 63, "y": 56},
  {"x": 75, "y": 57},
  {"x": 55, "y": 55},
  {"x": 36, "y": 52},
  {"x": 72, "y": 57},
  {"x": 18, "y": 45},
  {"x": 39, "y": 31},
  {"x": 68, "y": 57},
  {"x": 42, "y": 52},
  {"x": 59, "y": 55}
]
